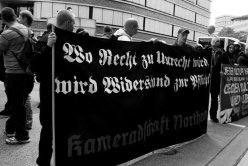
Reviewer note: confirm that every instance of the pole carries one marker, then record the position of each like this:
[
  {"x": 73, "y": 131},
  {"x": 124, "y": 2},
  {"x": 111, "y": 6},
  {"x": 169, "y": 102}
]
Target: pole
[{"x": 53, "y": 100}]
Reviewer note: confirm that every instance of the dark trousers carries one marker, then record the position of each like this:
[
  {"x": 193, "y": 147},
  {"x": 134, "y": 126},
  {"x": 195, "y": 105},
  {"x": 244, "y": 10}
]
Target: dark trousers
[
  {"x": 214, "y": 105},
  {"x": 45, "y": 146},
  {"x": 17, "y": 96},
  {"x": 46, "y": 137},
  {"x": 30, "y": 86}
]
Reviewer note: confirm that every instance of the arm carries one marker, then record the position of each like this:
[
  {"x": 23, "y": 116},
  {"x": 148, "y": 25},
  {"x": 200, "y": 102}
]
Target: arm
[
  {"x": 123, "y": 38},
  {"x": 43, "y": 49}
]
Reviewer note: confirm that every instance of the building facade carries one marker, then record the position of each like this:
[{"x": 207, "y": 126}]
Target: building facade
[
  {"x": 157, "y": 18},
  {"x": 222, "y": 21},
  {"x": 240, "y": 23}
]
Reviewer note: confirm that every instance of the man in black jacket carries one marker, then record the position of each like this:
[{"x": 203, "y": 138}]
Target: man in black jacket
[
  {"x": 42, "y": 66},
  {"x": 217, "y": 53}
]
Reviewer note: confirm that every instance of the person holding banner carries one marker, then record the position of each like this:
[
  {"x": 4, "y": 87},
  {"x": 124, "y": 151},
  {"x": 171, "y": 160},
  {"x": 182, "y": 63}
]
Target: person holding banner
[
  {"x": 42, "y": 65},
  {"x": 217, "y": 52},
  {"x": 107, "y": 32},
  {"x": 182, "y": 36},
  {"x": 243, "y": 59},
  {"x": 237, "y": 51},
  {"x": 229, "y": 56},
  {"x": 198, "y": 47},
  {"x": 82, "y": 31},
  {"x": 130, "y": 29}
]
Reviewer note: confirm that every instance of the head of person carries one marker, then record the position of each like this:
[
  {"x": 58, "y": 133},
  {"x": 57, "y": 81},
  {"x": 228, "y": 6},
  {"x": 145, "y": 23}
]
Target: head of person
[
  {"x": 65, "y": 20},
  {"x": 182, "y": 36},
  {"x": 237, "y": 47},
  {"x": 230, "y": 49},
  {"x": 69, "y": 8},
  {"x": 26, "y": 18},
  {"x": 131, "y": 26},
  {"x": 8, "y": 16},
  {"x": 82, "y": 31},
  {"x": 49, "y": 27},
  {"x": 215, "y": 42},
  {"x": 107, "y": 31}
]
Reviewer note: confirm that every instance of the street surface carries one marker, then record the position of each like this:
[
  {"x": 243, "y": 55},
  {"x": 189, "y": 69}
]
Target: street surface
[{"x": 223, "y": 145}]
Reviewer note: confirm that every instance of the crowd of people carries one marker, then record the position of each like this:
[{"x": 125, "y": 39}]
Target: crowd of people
[
  {"x": 234, "y": 56},
  {"x": 19, "y": 82}
]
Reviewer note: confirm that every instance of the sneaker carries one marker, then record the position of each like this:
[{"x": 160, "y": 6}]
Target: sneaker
[
  {"x": 9, "y": 135},
  {"x": 14, "y": 141},
  {"x": 5, "y": 113}
]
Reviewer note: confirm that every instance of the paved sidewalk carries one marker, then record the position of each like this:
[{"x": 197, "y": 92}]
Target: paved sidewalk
[
  {"x": 244, "y": 159},
  {"x": 20, "y": 155},
  {"x": 223, "y": 145}
]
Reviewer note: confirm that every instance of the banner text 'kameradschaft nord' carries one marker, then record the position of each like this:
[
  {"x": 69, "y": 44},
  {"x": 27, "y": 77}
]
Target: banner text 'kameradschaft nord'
[{"x": 115, "y": 101}]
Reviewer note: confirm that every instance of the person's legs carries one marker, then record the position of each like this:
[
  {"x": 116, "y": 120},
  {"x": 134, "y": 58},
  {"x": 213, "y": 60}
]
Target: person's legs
[
  {"x": 46, "y": 139},
  {"x": 214, "y": 107},
  {"x": 46, "y": 135},
  {"x": 45, "y": 147},
  {"x": 29, "y": 117},
  {"x": 9, "y": 125},
  {"x": 16, "y": 86}
]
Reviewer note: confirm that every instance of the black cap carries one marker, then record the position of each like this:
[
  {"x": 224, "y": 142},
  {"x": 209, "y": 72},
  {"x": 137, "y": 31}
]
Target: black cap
[{"x": 182, "y": 30}]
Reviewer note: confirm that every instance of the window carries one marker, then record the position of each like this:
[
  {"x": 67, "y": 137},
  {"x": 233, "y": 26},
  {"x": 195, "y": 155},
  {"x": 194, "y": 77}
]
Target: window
[
  {"x": 97, "y": 15},
  {"x": 140, "y": 20},
  {"x": 107, "y": 16},
  {"x": 74, "y": 9},
  {"x": 194, "y": 1},
  {"x": 184, "y": 13},
  {"x": 158, "y": 27},
  {"x": 230, "y": 41},
  {"x": 142, "y": 2},
  {"x": 204, "y": 3},
  {"x": 161, "y": 5},
  {"x": 83, "y": 12},
  {"x": 25, "y": 6},
  {"x": 37, "y": 10},
  {"x": 202, "y": 20},
  {"x": 57, "y": 7},
  {"x": 117, "y": 19},
  {"x": 126, "y": 16},
  {"x": 112, "y": 17},
  {"x": 46, "y": 10},
  {"x": 136, "y": 1}
]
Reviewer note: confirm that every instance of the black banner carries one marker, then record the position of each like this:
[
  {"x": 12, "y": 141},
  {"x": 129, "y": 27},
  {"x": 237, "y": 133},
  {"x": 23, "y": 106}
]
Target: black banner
[
  {"x": 234, "y": 93},
  {"x": 116, "y": 100}
]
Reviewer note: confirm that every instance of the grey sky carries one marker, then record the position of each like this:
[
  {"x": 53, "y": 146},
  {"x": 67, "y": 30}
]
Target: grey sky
[{"x": 228, "y": 7}]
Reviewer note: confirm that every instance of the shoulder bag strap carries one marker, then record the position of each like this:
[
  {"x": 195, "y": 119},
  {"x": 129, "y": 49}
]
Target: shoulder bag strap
[
  {"x": 17, "y": 31},
  {"x": 20, "y": 33}
]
